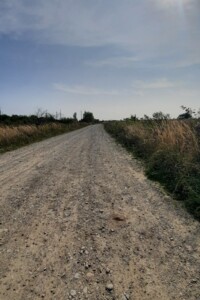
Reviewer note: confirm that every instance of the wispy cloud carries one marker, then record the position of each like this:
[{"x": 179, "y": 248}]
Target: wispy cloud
[
  {"x": 187, "y": 62},
  {"x": 118, "y": 62},
  {"x": 141, "y": 27},
  {"x": 133, "y": 49},
  {"x": 158, "y": 84},
  {"x": 173, "y": 3},
  {"x": 84, "y": 90}
]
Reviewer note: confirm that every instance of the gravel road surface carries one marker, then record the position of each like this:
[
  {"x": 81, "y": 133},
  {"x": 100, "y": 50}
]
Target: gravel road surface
[{"x": 79, "y": 220}]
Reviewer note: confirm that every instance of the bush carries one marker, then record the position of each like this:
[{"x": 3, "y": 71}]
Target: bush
[
  {"x": 171, "y": 152},
  {"x": 12, "y": 137}
]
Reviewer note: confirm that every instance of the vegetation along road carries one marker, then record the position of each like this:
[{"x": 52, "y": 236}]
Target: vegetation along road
[{"x": 79, "y": 220}]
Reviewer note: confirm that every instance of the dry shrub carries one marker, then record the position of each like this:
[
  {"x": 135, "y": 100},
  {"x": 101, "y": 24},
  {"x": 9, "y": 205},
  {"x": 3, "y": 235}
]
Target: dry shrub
[
  {"x": 171, "y": 135},
  {"x": 171, "y": 151},
  {"x": 179, "y": 136},
  {"x": 14, "y": 136}
]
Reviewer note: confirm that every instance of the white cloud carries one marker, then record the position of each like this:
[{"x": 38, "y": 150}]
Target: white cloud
[
  {"x": 158, "y": 84},
  {"x": 174, "y": 3},
  {"x": 84, "y": 90},
  {"x": 118, "y": 62},
  {"x": 187, "y": 62},
  {"x": 134, "y": 25}
]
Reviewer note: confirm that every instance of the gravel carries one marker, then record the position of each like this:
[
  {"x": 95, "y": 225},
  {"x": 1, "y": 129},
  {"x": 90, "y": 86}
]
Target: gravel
[{"x": 79, "y": 220}]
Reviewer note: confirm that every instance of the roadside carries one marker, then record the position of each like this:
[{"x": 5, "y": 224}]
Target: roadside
[
  {"x": 13, "y": 137},
  {"x": 79, "y": 220}
]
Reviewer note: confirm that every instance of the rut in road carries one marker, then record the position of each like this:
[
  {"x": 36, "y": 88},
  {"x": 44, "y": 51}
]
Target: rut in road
[{"x": 79, "y": 220}]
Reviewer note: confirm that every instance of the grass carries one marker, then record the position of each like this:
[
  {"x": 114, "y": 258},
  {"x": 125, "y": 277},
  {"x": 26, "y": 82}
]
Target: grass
[
  {"x": 170, "y": 150},
  {"x": 12, "y": 137}
]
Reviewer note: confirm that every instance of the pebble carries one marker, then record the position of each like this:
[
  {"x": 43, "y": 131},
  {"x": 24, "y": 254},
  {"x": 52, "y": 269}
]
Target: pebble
[
  {"x": 194, "y": 281},
  {"x": 125, "y": 297},
  {"x": 85, "y": 290},
  {"x": 87, "y": 265},
  {"x": 73, "y": 293},
  {"x": 109, "y": 287},
  {"x": 188, "y": 248},
  {"x": 89, "y": 275},
  {"x": 77, "y": 276}
]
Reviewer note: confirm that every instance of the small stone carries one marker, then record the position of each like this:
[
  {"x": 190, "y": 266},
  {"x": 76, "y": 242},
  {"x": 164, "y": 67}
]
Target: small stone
[
  {"x": 77, "y": 276},
  {"x": 87, "y": 265},
  {"x": 89, "y": 275},
  {"x": 63, "y": 276},
  {"x": 73, "y": 293},
  {"x": 85, "y": 290},
  {"x": 109, "y": 287},
  {"x": 194, "y": 281},
  {"x": 188, "y": 248},
  {"x": 125, "y": 297}
]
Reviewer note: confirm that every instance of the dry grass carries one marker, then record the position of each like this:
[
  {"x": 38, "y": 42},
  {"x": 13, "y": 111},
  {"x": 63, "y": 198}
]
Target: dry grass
[
  {"x": 12, "y": 137},
  {"x": 171, "y": 152},
  {"x": 170, "y": 135},
  {"x": 11, "y": 134}
]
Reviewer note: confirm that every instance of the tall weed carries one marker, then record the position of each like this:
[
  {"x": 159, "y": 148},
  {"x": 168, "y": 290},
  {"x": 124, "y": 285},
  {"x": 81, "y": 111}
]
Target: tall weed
[
  {"x": 12, "y": 137},
  {"x": 171, "y": 152}
]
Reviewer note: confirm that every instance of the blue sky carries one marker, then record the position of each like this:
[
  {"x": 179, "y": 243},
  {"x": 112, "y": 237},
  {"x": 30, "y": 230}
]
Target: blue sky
[{"x": 114, "y": 58}]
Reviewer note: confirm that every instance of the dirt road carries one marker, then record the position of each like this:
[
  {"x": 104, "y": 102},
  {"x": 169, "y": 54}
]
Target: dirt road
[{"x": 79, "y": 220}]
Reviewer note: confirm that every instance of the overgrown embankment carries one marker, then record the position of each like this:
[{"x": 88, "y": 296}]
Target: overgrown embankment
[
  {"x": 12, "y": 137},
  {"x": 170, "y": 150}
]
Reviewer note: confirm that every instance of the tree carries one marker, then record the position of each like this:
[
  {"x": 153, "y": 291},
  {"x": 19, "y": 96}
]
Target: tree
[
  {"x": 75, "y": 116},
  {"x": 198, "y": 114},
  {"x": 133, "y": 118},
  {"x": 88, "y": 117},
  {"x": 146, "y": 118},
  {"x": 160, "y": 116},
  {"x": 187, "y": 114}
]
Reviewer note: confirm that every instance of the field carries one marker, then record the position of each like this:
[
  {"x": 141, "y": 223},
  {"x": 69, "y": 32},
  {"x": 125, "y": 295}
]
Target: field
[
  {"x": 170, "y": 150},
  {"x": 12, "y": 137}
]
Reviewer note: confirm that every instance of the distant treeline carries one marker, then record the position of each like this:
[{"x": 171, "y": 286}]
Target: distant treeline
[
  {"x": 44, "y": 118},
  {"x": 170, "y": 151},
  {"x": 33, "y": 119}
]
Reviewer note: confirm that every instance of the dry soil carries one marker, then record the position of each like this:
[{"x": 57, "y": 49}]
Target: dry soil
[{"x": 79, "y": 220}]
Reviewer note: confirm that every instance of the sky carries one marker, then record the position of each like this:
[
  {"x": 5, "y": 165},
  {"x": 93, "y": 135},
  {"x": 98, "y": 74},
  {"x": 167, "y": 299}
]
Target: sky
[{"x": 115, "y": 58}]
